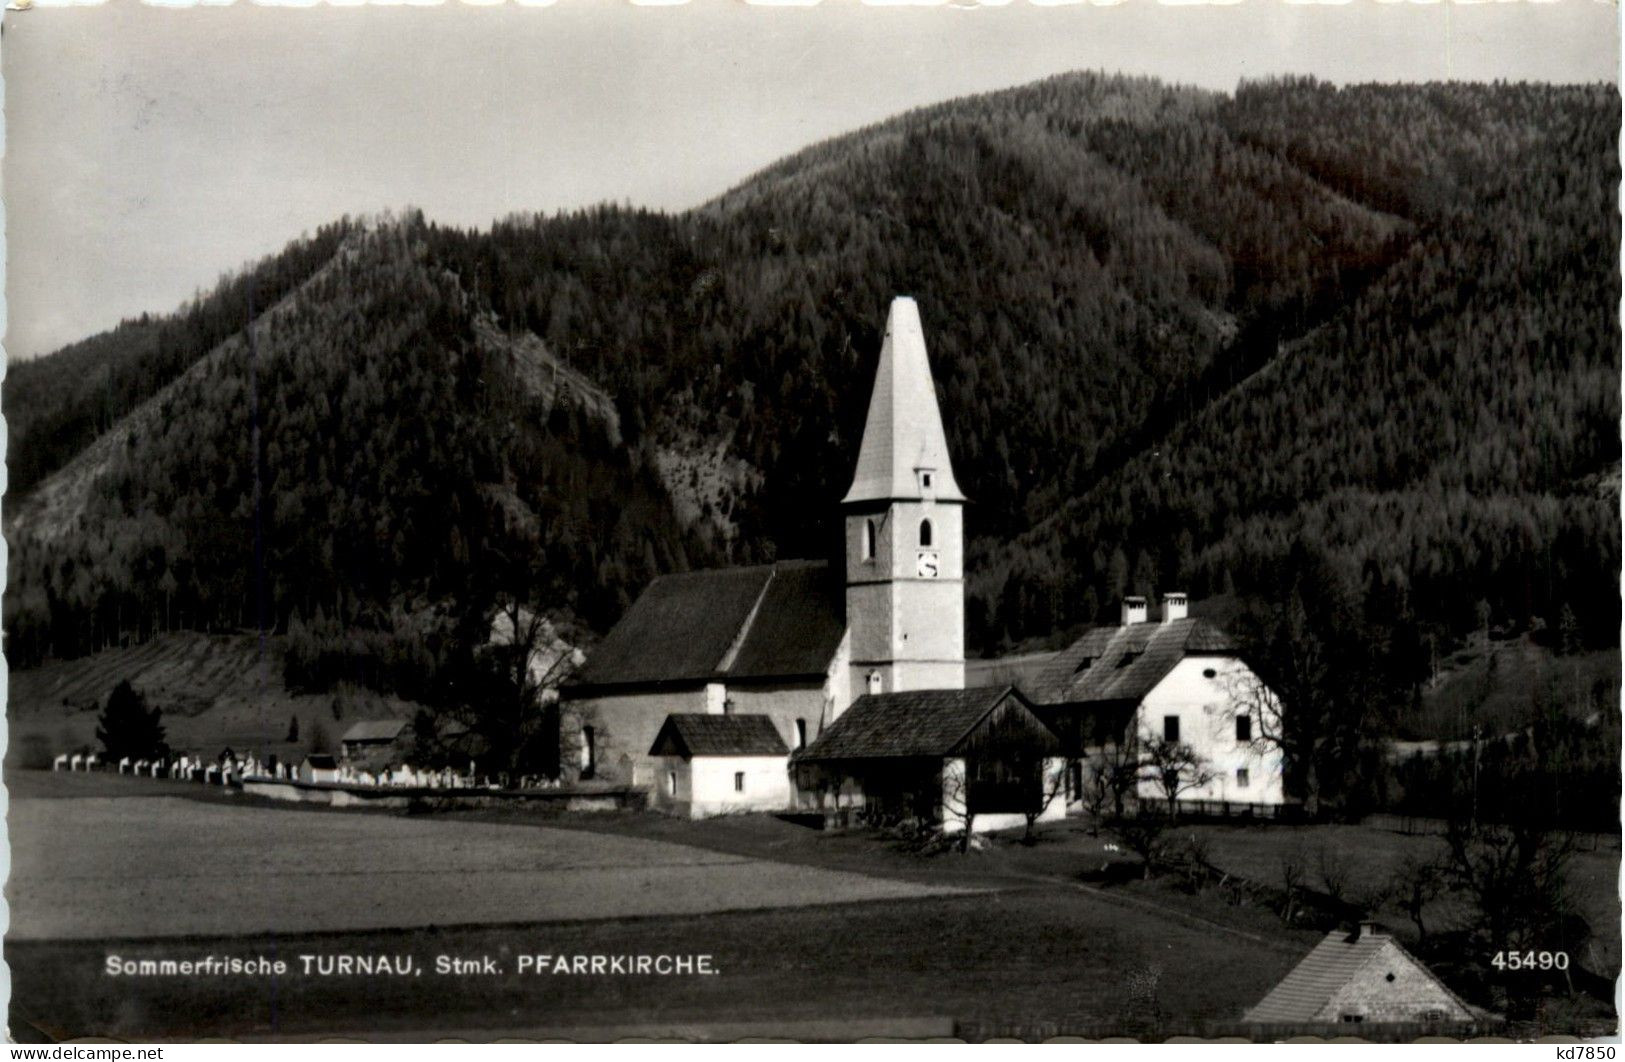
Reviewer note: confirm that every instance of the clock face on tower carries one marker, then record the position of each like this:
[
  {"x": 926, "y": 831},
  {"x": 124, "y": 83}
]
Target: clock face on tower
[{"x": 927, "y": 566}]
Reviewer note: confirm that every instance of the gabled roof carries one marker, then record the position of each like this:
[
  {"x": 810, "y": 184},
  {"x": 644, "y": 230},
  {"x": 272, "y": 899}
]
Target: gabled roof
[
  {"x": 781, "y": 620},
  {"x": 377, "y": 759},
  {"x": 797, "y": 627},
  {"x": 1125, "y": 663},
  {"x": 1306, "y": 990},
  {"x": 718, "y": 735},
  {"x": 918, "y": 723},
  {"x": 375, "y": 730},
  {"x": 903, "y": 431}
]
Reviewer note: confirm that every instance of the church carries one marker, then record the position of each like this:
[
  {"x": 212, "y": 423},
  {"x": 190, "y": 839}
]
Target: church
[{"x": 808, "y": 684}]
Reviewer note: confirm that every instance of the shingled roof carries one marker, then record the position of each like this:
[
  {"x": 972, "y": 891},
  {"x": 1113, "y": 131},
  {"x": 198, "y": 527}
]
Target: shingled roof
[
  {"x": 903, "y": 431},
  {"x": 718, "y": 735},
  {"x": 918, "y": 723},
  {"x": 374, "y": 730},
  {"x": 1308, "y": 988},
  {"x": 781, "y": 620},
  {"x": 1124, "y": 663}
]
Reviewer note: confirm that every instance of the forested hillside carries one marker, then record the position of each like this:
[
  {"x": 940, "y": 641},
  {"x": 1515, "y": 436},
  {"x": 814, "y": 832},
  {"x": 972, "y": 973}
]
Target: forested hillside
[{"x": 1174, "y": 332}]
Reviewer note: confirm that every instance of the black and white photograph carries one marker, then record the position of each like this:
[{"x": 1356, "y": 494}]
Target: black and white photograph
[{"x": 725, "y": 521}]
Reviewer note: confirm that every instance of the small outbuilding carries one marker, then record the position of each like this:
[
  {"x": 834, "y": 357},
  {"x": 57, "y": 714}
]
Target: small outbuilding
[
  {"x": 1364, "y": 976},
  {"x": 319, "y": 767},
  {"x": 371, "y": 735},
  {"x": 708, "y": 764},
  {"x": 980, "y": 756}
]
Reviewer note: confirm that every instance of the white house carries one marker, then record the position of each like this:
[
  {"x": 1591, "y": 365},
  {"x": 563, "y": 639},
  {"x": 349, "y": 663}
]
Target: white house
[
  {"x": 1177, "y": 679},
  {"x": 719, "y": 764}
]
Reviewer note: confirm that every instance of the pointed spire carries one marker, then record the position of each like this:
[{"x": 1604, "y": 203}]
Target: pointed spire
[{"x": 903, "y": 434}]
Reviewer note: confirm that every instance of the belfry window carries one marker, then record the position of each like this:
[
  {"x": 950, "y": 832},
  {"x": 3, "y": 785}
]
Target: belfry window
[
  {"x": 874, "y": 682},
  {"x": 925, "y": 532},
  {"x": 868, "y": 540}
]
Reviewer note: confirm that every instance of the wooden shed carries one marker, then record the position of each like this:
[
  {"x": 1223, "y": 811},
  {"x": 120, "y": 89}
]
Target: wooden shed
[{"x": 948, "y": 756}]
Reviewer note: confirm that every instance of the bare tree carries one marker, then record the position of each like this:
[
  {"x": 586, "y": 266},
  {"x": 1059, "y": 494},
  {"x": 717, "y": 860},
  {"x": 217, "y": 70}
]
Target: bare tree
[
  {"x": 1417, "y": 882},
  {"x": 1293, "y": 866},
  {"x": 1517, "y": 877},
  {"x": 956, "y": 805},
  {"x": 1050, "y": 786},
  {"x": 1334, "y": 873},
  {"x": 1318, "y": 678},
  {"x": 1144, "y": 835},
  {"x": 1176, "y": 768},
  {"x": 1097, "y": 790},
  {"x": 1122, "y": 765},
  {"x": 507, "y": 693}
]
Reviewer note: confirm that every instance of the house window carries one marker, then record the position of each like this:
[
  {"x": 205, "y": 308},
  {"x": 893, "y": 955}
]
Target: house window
[
  {"x": 1244, "y": 728},
  {"x": 868, "y": 540},
  {"x": 874, "y": 682},
  {"x": 1351, "y": 1018},
  {"x": 1209, "y": 673},
  {"x": 1083, "y": 665},
  {"x": 1170, "y": 728},
  {"x": 589, "y": 751},
  {"x": 801, "y": 733},
  {"x": 925, "y": 479},
  {"x": 671, "y": 783},
  {"x": 1127, "y": 658},
  {"x": 1242, "y": 778},
  {"x": 925, "y": 532},
  {"x": 739, "y": 781}
]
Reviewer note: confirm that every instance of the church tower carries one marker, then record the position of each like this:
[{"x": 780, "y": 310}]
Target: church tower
[{"x": 905, "y": 578}]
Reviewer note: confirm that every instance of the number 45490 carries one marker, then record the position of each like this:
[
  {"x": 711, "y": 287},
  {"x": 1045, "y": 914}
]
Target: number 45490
[{"x": 1530, "y": 960}]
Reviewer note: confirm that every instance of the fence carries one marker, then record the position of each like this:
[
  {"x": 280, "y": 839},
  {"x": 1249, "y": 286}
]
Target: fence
[
  {"x": 1427, "y": 826},
  {"x": 1230, "y": 809}
]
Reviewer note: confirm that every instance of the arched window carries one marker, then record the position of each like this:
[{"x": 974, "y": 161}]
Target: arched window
[
  {"x": 925, "y": 532},
  {"x": 801, "y": 733},
  {"x": 868, "y": 540},
  {"x": 589, "y": 752},
  {"x": 874, "y": 682}
]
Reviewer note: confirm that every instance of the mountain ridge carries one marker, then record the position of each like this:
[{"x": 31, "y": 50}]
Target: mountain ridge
[{"x": 1124, "y": 286}]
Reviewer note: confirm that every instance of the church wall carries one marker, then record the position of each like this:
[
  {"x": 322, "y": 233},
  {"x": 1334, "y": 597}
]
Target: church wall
[
  {"x": 838, "y": 688},
  {"x": 784, "y": 704},
  {"x": 624, "y": 728}
]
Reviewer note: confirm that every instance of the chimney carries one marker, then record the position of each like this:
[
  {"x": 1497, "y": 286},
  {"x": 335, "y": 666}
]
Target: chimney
[
  {"x": 1175, "y": 606},
  {"x": 1369, "y": 928},
  {"x": 1133, "y": 610}
]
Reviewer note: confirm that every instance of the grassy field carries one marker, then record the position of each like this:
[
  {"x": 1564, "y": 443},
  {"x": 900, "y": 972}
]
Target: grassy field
[
  {"x": 108, "y": 867},
  {"x": 1022, "y": 955},
  {"x": 1009, "y": 934},
  {"x": 161, "y": 870},
  {"x": 1369, "y": 857}
]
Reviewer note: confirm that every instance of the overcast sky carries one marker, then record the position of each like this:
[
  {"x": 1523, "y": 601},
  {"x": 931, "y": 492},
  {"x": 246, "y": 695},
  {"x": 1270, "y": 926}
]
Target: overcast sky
[{"x": 150, "y": 149}]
